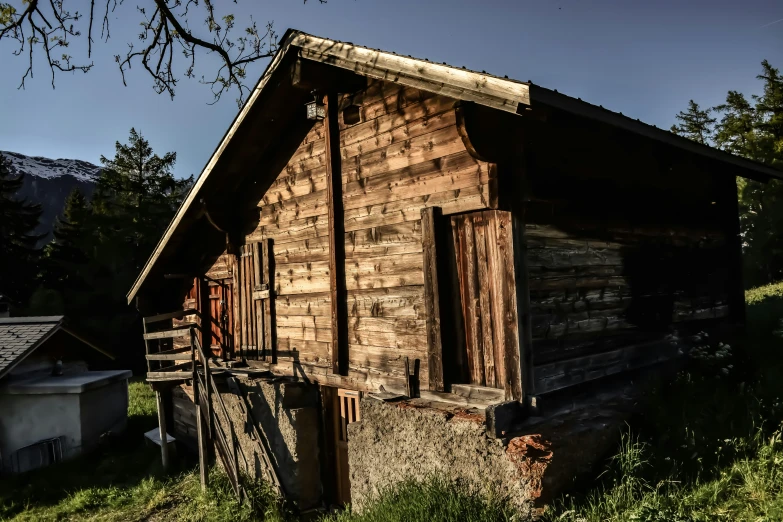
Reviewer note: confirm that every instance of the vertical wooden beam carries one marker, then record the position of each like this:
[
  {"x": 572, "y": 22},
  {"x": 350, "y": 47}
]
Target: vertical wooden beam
[
  {"x": 236, "y": 338},
  {"x": 520, "y": 192},
  {"x": 268, "y": 278},
  {"x": 429, "y": 234},
  {"x": 334, "y": 194},
  {"x": 203, "y": 462},
  {"x": 164, "y": 445}
]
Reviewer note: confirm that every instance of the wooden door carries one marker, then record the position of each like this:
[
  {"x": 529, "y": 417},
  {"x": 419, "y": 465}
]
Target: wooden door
[
  {"x": 483, "y": 245},
  {"x": 346, "y": 411},
  {"x": 221, "y": 317}
]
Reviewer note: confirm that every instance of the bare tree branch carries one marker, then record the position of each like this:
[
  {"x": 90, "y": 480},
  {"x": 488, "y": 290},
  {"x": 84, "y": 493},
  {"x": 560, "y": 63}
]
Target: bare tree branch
[{"x": 48, "y": 25}]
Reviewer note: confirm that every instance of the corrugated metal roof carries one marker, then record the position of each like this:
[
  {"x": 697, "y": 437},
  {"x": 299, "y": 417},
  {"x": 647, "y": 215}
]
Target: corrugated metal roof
[{"x": 19, "y": 336}]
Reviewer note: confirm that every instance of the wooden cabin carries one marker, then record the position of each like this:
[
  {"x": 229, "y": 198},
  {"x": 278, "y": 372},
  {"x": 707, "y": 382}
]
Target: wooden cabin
[{"x": 379, "y": 224}]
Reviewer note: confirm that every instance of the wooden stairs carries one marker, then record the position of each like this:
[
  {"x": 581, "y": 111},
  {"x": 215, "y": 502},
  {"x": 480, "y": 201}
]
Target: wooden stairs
[{"x": 216, "y": 433}]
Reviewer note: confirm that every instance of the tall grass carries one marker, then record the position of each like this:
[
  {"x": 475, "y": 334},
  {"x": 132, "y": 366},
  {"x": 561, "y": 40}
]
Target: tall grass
[{"x": 434, "y": 500}]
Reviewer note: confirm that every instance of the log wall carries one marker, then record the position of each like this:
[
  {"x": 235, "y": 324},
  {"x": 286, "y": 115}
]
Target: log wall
[
  {"x": 405, "y": 154},
  {"x": 620, "y": 254}
]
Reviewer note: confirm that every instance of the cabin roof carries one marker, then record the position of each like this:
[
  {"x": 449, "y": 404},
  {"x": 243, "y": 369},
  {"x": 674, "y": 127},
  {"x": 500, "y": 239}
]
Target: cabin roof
[
  {"x": 492, "y": 91},
  {"x": 21, "y": 336}
]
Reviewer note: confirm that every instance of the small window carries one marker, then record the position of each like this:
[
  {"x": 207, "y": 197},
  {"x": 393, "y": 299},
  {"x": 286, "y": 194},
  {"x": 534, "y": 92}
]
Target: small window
[
  {"x": 352, "y": 115},
  {"x": 38, "y": 455}
]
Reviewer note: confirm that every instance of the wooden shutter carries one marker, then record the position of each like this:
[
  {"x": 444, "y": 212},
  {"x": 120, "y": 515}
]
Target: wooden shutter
[
  {"x": 261, "y": 302},
  {"x": 485, "y": 265}
]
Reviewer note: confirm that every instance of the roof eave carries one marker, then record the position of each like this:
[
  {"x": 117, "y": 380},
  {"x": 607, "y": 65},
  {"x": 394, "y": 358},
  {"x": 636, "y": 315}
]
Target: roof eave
[{"x": 544, "y": 96}]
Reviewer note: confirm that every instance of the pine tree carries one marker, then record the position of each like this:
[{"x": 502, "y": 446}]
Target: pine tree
[
  {"x": 66, "y": 257},
  {"x": 19, "y": 254},
  {"x": 136, "y": 197},
  {"x": 695, "y": 124}
]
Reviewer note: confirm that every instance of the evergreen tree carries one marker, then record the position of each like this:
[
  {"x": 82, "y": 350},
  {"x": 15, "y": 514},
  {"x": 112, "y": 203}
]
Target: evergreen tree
[
  {"x": 755, "y": 131},
  {"x": 18, "y": 252},
  {"x": 695, "y": 123},
  {"x": 66, "y": 260},
  {"x": 135, "y": 198}
]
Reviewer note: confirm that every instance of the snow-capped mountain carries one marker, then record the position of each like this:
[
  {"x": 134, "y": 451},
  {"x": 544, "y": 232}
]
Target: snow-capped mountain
[{"x": 49, "y": 181}]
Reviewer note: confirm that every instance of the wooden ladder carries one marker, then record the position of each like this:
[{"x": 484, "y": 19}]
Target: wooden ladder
[{"x": 214, "y": 425}]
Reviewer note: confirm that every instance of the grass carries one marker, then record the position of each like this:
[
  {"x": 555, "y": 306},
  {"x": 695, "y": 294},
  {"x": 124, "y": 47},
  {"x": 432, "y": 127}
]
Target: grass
[
  {"x": 435, "y": 500},
  {"x": 123, "y": 481},
  {"x": 706, "y": 447}
]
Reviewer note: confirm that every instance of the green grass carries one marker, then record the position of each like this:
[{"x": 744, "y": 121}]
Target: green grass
[
  {"x": 434, "y": 500},
  {"x": 708, "y": 445}
]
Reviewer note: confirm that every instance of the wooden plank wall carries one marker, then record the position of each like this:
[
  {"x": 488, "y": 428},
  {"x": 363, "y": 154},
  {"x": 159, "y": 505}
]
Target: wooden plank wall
[
  {"x": 618, "y": 261},
  {"x": 404, "y": 155}
]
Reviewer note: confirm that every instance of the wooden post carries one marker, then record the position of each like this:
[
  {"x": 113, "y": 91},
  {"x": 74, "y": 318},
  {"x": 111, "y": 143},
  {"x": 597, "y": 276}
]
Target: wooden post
[
  {"x": 429, "y": 216},
  {"x": 524, "y": 329},
  {"x": 203, "y": 463},
  {"x": 334, "y": 195},
  {"x": 268, "y": 278},
  {"x": 164, "y": 446}
]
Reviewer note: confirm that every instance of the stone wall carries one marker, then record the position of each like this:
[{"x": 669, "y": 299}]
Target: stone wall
[
  {"x": 287, "y": 414},
  {"x": 415, "y": 439}
]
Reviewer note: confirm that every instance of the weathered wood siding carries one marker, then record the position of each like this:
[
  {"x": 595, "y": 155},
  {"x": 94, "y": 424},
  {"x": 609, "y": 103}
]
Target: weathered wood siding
[
  {"x": 405, "y": 154},
  {"x": 620, "y": 255}
]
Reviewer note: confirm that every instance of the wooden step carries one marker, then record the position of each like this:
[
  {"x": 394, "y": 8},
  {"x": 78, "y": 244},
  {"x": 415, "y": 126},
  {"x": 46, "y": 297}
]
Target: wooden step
[
  {"x": 179, "y": 354},
  {"x": 180, "y": 331},
  {"x": 179, "y": 314},
  {"x": 169, "y": 376}
]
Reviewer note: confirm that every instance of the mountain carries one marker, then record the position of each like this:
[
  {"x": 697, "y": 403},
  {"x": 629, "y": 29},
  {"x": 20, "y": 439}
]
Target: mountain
[{"x": 49, "y": 181}]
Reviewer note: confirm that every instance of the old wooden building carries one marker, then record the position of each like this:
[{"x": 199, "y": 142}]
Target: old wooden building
[{"x": 378, "y": 224}]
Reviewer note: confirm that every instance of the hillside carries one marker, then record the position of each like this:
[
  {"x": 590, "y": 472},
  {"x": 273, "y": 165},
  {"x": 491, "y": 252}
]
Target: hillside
[{"x": 49, "y": 181}]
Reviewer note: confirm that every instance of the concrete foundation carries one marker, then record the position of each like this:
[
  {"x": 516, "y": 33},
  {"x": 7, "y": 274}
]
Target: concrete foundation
[
  {"x": 415, "y": 439},
  {"x": 287, "y": 414}
]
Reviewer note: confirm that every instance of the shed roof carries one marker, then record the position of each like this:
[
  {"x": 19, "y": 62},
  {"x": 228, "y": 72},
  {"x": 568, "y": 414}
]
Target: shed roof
[
  {"x": 492, "y": 91},
  {"x": 21, "y": 336}
]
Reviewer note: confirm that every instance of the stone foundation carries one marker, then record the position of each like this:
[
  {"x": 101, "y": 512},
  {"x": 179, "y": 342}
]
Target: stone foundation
[
  {"x": 415, "y": 439},
  {"x": 287, "y": 414}
]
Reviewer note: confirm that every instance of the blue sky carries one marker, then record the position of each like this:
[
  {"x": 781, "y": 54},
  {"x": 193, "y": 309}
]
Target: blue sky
[{"x": 645, "y": 59}]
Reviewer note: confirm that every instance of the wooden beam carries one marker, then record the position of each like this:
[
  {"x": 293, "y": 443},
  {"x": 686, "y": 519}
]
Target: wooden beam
[
  {"x": 268, "y": 304},
  {"x": 429, "y": 218},
  {"x": 334, "y": 192},
  {"x": 164, "y": 445}
]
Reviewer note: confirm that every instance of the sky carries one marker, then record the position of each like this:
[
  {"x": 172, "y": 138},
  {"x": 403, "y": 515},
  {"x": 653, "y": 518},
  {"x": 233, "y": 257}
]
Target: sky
[{"x": 643, "y": 58}]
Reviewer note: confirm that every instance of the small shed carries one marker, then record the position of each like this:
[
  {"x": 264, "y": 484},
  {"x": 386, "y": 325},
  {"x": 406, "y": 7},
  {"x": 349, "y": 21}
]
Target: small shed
[
  {"x": 52, "y": 407},
  {"x": 379, "y": 225}
]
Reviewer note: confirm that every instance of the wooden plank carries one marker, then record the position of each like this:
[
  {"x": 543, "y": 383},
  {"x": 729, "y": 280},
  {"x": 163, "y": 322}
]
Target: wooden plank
[
  {"x": 468, "y": 277},
  {"x": 399, "y": 325},
  {"x": 399, "y": 184},
  {"x": 429, "y": 219},
  {"x": 182, "y": 331},
  {"x": 302, "y": 278},
  {"x": 504, "y": 290},
  {"x": 316, "y": 353},
  {"x": 385, "y": 131},
  {"x": 483, "y": 393},
  {"x": 304, "y": 304},
  {"x": 170, "y": 355},
  {"x": 480, "y": 226},
  {"x": 562, "y": 374},
  {"x": 404, "y": 301},
  {"x": 384, "y": 272},
  {"x": 179, "y": 314},
  {"x": 430, "y": 146}
]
